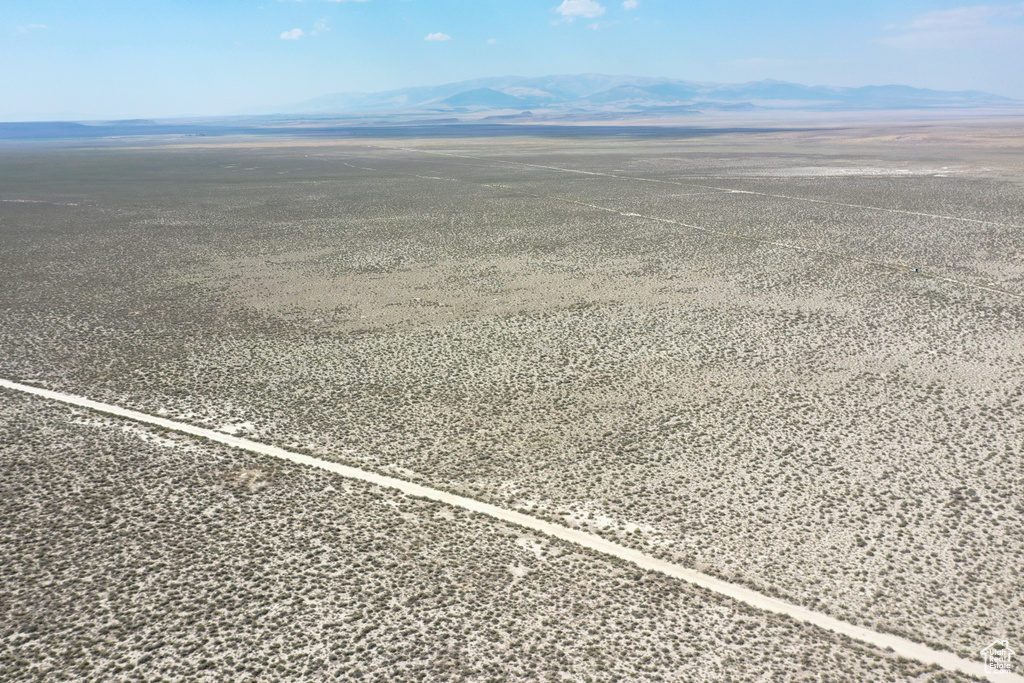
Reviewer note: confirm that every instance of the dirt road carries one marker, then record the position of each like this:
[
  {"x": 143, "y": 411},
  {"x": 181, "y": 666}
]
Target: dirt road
[{"x": 901, "y": 646}]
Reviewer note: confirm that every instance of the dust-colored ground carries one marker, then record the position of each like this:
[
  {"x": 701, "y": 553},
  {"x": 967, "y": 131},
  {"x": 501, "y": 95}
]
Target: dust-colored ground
[
  {"x": 750, "y": 383},
  {"x": 130, "y": 554}
]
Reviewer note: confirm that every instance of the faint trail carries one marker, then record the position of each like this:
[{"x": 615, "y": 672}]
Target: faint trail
[
  {"x": 345, "y": 163},
  {"x": 719, "y": 189},
  {"x": 725, "y": 233},
  {"x": 38, "y": 201},
  {"x": 901, "y": 646},
  {"x": 809, "y": 250}
]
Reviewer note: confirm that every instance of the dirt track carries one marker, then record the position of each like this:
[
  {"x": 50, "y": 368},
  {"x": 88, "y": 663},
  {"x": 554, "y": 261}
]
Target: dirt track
[{"x": 900, "y": 646}]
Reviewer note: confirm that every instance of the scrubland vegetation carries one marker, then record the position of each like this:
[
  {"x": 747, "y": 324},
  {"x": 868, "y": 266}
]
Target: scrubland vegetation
[
  {"x": 822, "y": 423},
  {"x": 131, "y": 554}
]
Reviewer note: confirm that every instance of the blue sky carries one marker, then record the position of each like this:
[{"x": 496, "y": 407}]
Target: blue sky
[{"x": 128, "y": 58}]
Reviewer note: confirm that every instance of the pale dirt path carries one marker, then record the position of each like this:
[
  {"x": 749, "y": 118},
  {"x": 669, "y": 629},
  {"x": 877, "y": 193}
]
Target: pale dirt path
[
  {"x": 901, "y": 646},
  {"x": 724, "y": 190},
  {"x": 724, "y": 233},
  {"x": 824, "y": 252}
]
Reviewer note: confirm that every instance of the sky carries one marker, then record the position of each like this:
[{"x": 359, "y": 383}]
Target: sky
[{"x": 103, "y": 59}]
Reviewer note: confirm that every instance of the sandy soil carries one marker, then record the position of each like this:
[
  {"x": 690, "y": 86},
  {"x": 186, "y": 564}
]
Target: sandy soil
[{"x": 901, "y": 646}]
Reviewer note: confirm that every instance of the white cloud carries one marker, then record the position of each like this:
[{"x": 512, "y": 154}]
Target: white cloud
[
  {"x": 976, "y": 25},
  {"x": 571, "y": 9},
  {"x": 492, "y": 41},
  {"x": 965, "y": 17},
  {"x": 294, "y": 34},
  {"x": 438, "y": 36},
  {"x": 320, "y": 26},
  {"x": 630, "y": 4},
  {"x": 346, "y": 0},
  {"x": 31, "y": 27}
]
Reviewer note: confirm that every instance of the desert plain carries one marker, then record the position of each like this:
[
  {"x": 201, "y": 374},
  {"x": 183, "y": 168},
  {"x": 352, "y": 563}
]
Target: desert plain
[{"x": 792, "y": 359}]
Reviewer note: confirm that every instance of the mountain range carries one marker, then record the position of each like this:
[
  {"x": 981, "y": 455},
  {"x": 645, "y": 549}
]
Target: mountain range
[
  {"x": 548, "y": 105},
  {"x": 596, "y": 93}
]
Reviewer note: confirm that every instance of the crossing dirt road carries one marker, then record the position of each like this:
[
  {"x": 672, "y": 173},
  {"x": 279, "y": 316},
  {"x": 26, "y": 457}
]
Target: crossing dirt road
[{"x": 900, "y": 646}]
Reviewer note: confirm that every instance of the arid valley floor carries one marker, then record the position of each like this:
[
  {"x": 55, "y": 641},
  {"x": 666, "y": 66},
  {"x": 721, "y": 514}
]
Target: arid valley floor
[{"x": 793, "y": 360}]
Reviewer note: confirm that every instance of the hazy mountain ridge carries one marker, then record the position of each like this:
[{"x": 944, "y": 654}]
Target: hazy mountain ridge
[
  {"x": 589, "y": 92},
  {"x": 547, "y": 105}
]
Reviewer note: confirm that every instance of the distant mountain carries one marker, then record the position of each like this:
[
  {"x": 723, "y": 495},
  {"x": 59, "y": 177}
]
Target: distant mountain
[
  {"x": 598, "y": 93},
  {"x": 42, "y": 130},
  {"x": 484, "y": 97},
  {"x": 511, "y": 105}
]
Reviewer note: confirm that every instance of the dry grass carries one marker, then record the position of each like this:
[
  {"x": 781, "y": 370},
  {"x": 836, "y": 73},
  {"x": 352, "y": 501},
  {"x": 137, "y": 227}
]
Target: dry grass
[
  {"x": 845, "y": 435},
  {"x": 135, "y": 555}
]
